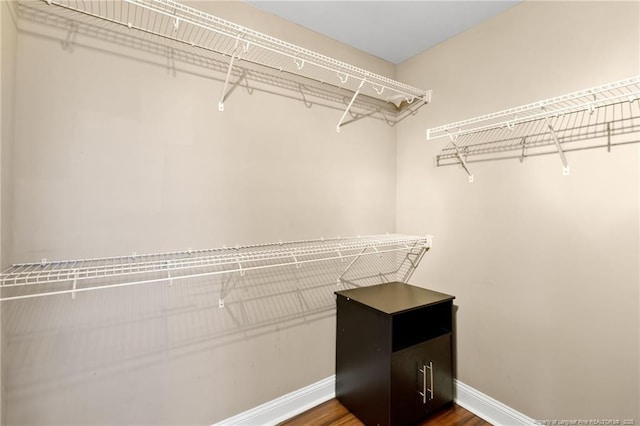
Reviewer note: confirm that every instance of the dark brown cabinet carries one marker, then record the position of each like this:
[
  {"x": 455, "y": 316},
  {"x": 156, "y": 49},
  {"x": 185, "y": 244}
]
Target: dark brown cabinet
[{"x": 393, "y": 352}]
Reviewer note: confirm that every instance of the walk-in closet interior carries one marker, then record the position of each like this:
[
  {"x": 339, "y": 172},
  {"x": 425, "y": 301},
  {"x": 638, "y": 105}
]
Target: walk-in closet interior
[{"x": 186, "y": 185}]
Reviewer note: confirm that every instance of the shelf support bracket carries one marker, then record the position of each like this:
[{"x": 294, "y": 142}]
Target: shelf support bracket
[
  {"x": 461, "y": 159},
  {"x": 75, "y": 283},
  {"x": 350, "y": 105},
  {"x": 226, "y": 80},
  {"x": 563, "y": 158},
  {"x": 169, "y": 277},
  {"x": 413, "y": 263},
  {"x": 223, "y": 294},
  {"x": 339, "y": 280}
]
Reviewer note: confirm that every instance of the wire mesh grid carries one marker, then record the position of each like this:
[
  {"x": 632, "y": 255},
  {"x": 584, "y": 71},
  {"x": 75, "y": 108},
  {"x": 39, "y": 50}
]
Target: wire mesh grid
[
  {"x": 146, "y": 322},
  {"x": 72, "y": 276},
  {"x": 589, "y": 99},
  {"x": 124, "y": 328},
  {"x": 311, "y": 92},
  {"x": 605, "y": 117},
  {"x": 195, "y": 29}
]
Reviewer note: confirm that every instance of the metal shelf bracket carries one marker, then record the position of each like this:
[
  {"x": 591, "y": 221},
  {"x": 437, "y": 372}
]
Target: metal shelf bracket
[
  {"x": 355, "y": 95},
  {"x": 234, "y": 54},
  {"x": 75, "y": 283},
  {"x": 563, "y": 158},
  {"x": 355, "y": 259},
  {"x": 463, "y": 162}
]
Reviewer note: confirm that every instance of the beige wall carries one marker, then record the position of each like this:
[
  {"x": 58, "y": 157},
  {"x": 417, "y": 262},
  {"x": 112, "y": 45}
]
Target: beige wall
[
  {"x": 7, "y": 78},
  {"x": 545, "y": 267},
  {"x": 116, "y": 153},
  {"x": 170, "y": 145},
  {"x": 8, "y": 36}
]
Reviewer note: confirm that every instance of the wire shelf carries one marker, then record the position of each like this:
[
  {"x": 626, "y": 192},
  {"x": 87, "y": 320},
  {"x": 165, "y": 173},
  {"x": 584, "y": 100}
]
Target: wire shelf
[
  {"x": 298, "y": 87},
  {"x": 603, "y": 116},
  {"x": 194, "y": 29},
  {"x": 72, "y": 276}
]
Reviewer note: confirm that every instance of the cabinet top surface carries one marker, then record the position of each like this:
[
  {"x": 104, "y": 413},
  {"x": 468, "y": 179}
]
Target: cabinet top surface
[{"x": 392, "y": 298}]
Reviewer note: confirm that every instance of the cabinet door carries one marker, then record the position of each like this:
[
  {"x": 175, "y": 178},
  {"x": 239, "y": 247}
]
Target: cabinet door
[
  {"x": 421, "y": 380},
  {"x": 439, "y": 354}
]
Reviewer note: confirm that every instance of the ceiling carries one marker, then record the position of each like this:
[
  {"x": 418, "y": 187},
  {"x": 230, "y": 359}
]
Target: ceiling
[{"x": 391, "y": 30}]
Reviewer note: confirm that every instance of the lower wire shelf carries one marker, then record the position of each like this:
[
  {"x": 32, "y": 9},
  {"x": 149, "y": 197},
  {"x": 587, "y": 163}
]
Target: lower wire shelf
[{"x": 353, "y": 260}]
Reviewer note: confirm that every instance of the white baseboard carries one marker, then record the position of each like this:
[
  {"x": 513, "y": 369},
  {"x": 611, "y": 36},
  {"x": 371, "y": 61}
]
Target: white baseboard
[
  {"x": 488, "y": 408},
  {"x": 287, "y": 406},
  {"x": 296, "y": 402}
]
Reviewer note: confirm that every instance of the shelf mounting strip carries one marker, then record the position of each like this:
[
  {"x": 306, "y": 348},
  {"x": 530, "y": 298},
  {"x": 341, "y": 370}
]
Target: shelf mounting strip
[
  {"x": 196, "y": 29},
  {"x": 599, "y": 117},
  {"x": 46, "y": 278}
]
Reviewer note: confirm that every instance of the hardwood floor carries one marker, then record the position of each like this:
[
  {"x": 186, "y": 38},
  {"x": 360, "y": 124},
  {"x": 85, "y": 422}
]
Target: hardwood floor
[{"x": 332, "y": 413}]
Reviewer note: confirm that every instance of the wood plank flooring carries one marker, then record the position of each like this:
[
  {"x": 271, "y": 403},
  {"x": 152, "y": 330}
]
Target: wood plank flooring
[{"x": 332, "y": 413}]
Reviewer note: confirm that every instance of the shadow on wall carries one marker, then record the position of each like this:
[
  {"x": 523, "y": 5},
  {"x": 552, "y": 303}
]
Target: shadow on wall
[
  {"x": 56, "y": 342},
  {"x": 73, "y": 31}
]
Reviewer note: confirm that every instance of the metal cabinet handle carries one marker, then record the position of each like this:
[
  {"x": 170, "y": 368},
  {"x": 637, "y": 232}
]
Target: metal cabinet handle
[
  {"x": 423, "y": 394},
  {"x": 425, "y": 389},
  {"x": 433, "y": 387}
]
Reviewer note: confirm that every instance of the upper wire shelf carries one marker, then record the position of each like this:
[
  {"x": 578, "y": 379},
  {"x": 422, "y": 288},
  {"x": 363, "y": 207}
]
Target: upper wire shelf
[
  {"x": 195, "y": 29},
  {"x": 47, "y": 278},
  {"x": 602, "y": 116}
]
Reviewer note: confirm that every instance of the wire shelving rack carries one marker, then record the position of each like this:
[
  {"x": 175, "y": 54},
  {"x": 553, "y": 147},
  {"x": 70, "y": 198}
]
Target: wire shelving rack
[
  {"x": 48, "y": 278},
  {"x": 599, "y": 117},
  {"x": 193, "y": 29}
]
